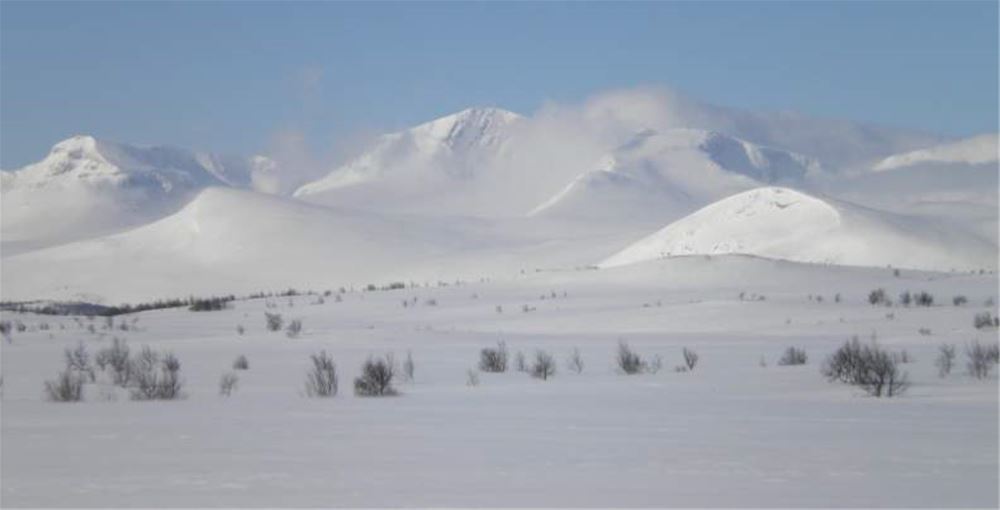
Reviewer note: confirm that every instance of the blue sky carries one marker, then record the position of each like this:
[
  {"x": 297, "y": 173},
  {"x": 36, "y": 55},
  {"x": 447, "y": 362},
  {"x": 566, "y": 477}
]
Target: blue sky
[{"x": 231, "y": 76}]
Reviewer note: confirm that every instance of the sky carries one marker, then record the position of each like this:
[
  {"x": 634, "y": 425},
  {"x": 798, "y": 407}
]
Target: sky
[{"x": 245, "y": 77}]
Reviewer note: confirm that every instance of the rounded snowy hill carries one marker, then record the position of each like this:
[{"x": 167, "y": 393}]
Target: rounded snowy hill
[{"x": 785, "y": 224}]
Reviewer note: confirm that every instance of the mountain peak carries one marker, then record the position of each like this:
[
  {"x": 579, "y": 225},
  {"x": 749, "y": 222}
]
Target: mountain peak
[
  {"x": 472, "y": 126},
  {"x": 76, "y": 146}
]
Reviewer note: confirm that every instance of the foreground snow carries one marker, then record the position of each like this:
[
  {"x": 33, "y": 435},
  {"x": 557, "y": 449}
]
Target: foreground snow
[{"x": 730, "y": 433}]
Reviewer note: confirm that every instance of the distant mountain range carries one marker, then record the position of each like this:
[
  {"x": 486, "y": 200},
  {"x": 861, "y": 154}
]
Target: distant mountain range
[{"x": 490, "y": 192}]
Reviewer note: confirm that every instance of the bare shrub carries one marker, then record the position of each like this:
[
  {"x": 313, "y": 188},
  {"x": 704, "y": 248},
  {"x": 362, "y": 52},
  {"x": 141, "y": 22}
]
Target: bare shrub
[
  {"x": 793, "y": 356},
  {"x": 902, "y": 356},
  {"x": 376, "y": 377},
  {"x": 116, "y": 358},
  {"x": 494, "y": 360},
  {"x": 655, "y": 365},
  {"x": 690, "y": 358},
  {"x": 78, "y": 360},
  {"x": 575, "y": 362},
  {"x": 923, "y": 298},
  {"x": 520, "y": 362},
  {"x": 67, "y": 387},
  {"x": 321, "y": 380},
  {"x": 294, "y": 328},
  {"x": 981, "y": 359},
  {"x": 866, "y": 366},
  {"x": 959, "y": 300},
  {"x": 408, "y": 366},
  {"x": 274, "y": 321},
  {"x": 471, "y": 378},
  {"x": 241, "y": 363},
  {"x": 983, "y": 320},
  {"x": 945, "y": 359},
  {"x": 877, "y": 297},
  {"x": 543, "y": 366},
  {"x": 228, "y": 383},
  {"x": 156, "y": 378},
  {"x": 629, "y": 362},
  {"x": 240, "y": 329}
]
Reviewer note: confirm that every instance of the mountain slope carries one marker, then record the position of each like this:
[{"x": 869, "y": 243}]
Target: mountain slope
[
  {"x": 785, "y": 224},
  {"x": 666, "y": 175},
  {"x": 228, "y": 240},
  {"x": 971, "y": 151},
  {"x": 86, "y": 187}
]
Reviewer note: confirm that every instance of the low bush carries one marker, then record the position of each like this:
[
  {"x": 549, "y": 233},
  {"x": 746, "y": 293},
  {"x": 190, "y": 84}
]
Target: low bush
[
  {"x": 793, "y": 356},
  {"x": 321, "y": 379},
  {"x": 241, "y": 363},
  {"x": 228, "y": 383},
  {"x": 628, "y": 361},
  {"x": 543, "y": 366},
  {"x": 67, "y": 387},
  {"x": 494, "y": 360},
  {"x": 866, "y": 366},
  {"x": 376, "y": 377}
]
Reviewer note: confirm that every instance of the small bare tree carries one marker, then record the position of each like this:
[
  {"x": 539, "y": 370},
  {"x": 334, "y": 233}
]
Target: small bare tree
[
  {"x": 228, "y": 383},
  {"x": 471, "y": 378},
  {"x": 981, "y": 359},
  {"x": 321, "y": 380},
  {"x": 868, "y": 367},
  {"x": 494, "y": 360},
  {"x": 690, "y": 358},
  {"x": 945, "y": 359},
  {"x": 376, "y": 377},
  {"x": 544, "y": 365},
  {"x": 575, "y": 362}
]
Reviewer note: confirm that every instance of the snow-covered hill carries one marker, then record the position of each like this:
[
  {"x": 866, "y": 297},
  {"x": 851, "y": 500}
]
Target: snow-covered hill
[
  {"x": 87, "y": 186},
  {"x": 667, "y": 175},
  {"x": 785, "y": 224},
  {"x": 971, "y": 151}
]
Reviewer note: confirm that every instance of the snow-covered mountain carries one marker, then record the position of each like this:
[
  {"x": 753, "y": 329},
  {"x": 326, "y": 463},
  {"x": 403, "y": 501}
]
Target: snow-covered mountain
[
  {"x": 87, "y": 186},
  {"x": 666, "y": 175},
  {"x": 782, "y": 223},
  {"x": 422, "y": 169},
  {"x": 971, "y": 151}
]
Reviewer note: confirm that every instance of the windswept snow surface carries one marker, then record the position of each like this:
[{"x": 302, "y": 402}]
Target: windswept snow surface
[
  {"x": 729, "y": 433},
  {"x": 785, "y": 224}
]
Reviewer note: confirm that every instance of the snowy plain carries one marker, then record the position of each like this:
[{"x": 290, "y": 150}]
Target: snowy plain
[
  {"x": 637, "y": 216},
  {"x": 731, "y": 432}
]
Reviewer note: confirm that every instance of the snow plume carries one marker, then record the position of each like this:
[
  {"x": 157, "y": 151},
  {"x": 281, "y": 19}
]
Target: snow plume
[
  {"x": 302, "y": 159},
  {"x": 613, "y": 117}
]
